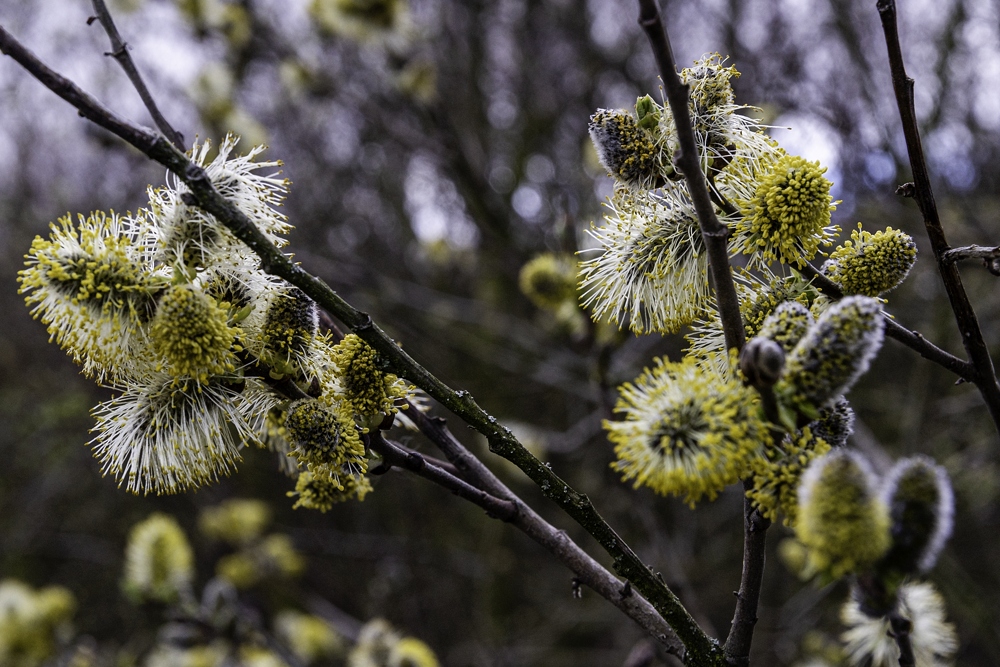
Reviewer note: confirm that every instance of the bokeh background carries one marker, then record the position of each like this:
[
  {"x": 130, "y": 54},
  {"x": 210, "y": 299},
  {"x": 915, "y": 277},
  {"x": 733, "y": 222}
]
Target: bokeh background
[{"x": 429, "y": 161}]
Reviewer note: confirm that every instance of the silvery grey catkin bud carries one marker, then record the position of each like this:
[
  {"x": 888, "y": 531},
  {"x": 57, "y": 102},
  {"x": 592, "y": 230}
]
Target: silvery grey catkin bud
[
  {"x": 787, "y": 324},
  {"x": 625, "y": 149},
  {"x": 832, "y": 355},
  {"x": 921, "y": 505}
]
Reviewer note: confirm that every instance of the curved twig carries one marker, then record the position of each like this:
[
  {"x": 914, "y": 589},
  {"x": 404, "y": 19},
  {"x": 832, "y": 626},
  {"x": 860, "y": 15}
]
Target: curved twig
[
  {"x": 965, "y": 316},
  {"x": 119, "y": 51}
]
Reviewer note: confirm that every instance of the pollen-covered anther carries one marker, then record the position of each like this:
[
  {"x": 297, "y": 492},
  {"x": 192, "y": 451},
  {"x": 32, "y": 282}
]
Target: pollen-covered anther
[
  {"x": 787, "y": 324},
  {"x": 191, "y": 334},
  {"x": 871, "y": 264},
  {"x": 321, "y": 491},
  {"x": 323, "y": 436},
  {"x": 687, "y": 430},
  {"x": 368, "y": 389},
  {"x": 788, "y": 217},
  {"x": 777, "y": 474},
  {"x": 290, "y": 326}
]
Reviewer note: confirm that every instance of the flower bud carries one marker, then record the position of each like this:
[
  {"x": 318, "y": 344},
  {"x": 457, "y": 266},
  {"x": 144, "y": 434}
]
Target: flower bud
[
  {"x": 835, "y": 423},
  {"x": 549, "y": 280},
  {"x": 841, "y": 519},
  {"x": 159, "y": 564},
  {"x": 322, "y": 436},
  {"x": 832, "y": 355},
  {"x": 626, "y": 150},
  {"x": 787, "y": 324},
  {"x": 788, "y": 217},
  {"x": 191, "y": 334},
  {"x": 921, "y": 505},
  {"x": 871, "y": 264},
  {"x": 761, "y": 361}
]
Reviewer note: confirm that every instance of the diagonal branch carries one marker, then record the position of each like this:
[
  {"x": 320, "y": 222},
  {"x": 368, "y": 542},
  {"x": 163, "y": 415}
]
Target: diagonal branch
[
  {"x": 965, "y": 316},
  {"x": 557, "y": 542},
  {"x": 700, "y": 649},
  {"x": 713, "y": 231},
  {"x": 119, "y": 51},
  {"x": 893, "y": 329}
]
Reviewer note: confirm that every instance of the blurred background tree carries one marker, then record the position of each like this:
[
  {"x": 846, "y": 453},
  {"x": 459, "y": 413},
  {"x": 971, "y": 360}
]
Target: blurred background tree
[{"x": 435, "y": 147}]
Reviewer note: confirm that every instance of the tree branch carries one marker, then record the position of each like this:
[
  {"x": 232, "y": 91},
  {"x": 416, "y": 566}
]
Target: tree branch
[
  {"x": 556, "y": 541},
  {"x": 401, "y": 457},
  {"x": 713, "y": 231},
  {"x": 893, "y": 329},
  {"x": 990, "y": 256},
  {"x": 965, "y": 316},
  {"x": 119, "y": 51},
  {"x": 715, "y": 234},
  {"x": 700, "y": 650}
]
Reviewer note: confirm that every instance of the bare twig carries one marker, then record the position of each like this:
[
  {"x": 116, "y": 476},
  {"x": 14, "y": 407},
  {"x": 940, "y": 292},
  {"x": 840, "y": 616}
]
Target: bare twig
[
  {"x": 900, "y": 628},
  {"x": 893, "y": 329},
  {"x": 557, "y": 542},
  {"x": 965, "y": 316},
  {"x": 407, "y": 459},
  {"x": 700, "y": 650},
  {"x": 990, "y": 256},
  {"x": 119, "y": 51},
  {"x": 687, "y": 160}
]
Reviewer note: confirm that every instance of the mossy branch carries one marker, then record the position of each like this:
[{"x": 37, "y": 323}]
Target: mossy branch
[{"x": 699, "y": 648}]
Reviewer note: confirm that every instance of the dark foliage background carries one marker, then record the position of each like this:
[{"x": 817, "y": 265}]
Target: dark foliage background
[{"x": 421, "y": 207}]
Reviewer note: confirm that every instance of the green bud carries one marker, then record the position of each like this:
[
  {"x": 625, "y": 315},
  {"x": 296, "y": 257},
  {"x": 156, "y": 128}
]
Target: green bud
[
  {"x": 871, "y": 264},
  {"x": 832, "y": 355},
  {"x": 841, "y": 520}
]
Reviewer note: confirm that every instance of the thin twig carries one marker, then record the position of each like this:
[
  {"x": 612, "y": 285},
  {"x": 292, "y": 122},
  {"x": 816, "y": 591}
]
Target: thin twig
[
  {"x": 965, "y": 316},
  {"x": 990, "y": 256},
  {"x": 407, "y": 459},
  {"x": 119, "y": 51},
  {"x": 893, "y": 329},
  {"x": 715, "y": 234},
  {"x": 557, "y": 542},
  {"x": 700, "y": 649}
]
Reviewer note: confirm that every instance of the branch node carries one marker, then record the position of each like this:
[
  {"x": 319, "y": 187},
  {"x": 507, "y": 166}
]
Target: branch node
[{"x": 907, "y": 190}]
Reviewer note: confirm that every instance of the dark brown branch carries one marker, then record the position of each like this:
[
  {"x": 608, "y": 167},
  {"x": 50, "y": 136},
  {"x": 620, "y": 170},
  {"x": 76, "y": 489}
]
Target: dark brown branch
[
  {"x": 715, "y": 235},
  {"x": 990, "y": 256},
  {"x": 119, "y": 51},
  {"x": 900, "y": 629},
  {"x": 687, "y": 160},
  {"x": 407, "y": 459},
  {"x": 737, "y": 647},
  {"x": 893, "y": 329},
  {"x": 557, "y": 542},
  {"x": 965, "y": 316},
  {"x": 700, "y": 649}
]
